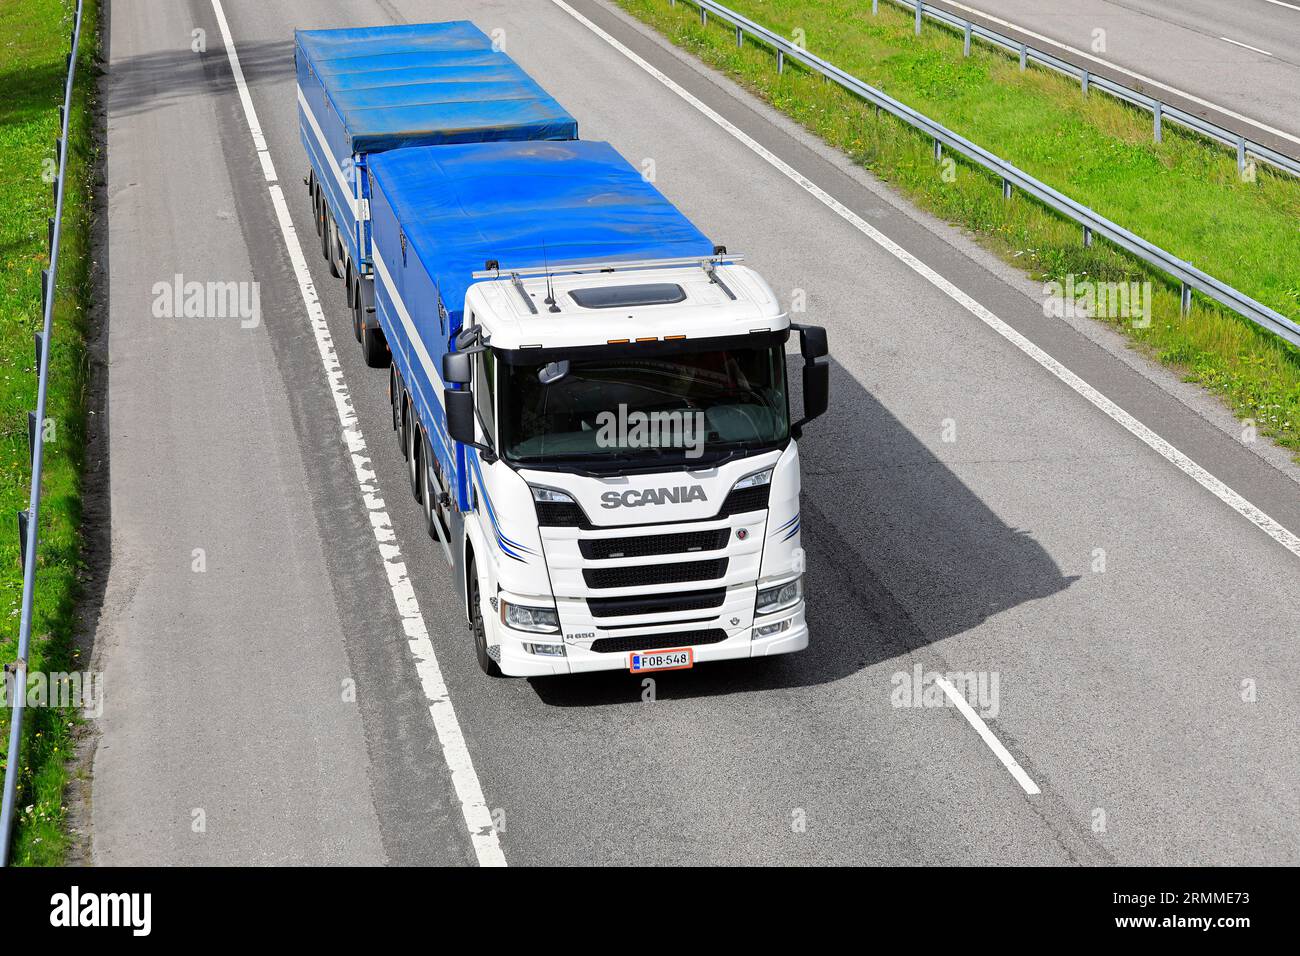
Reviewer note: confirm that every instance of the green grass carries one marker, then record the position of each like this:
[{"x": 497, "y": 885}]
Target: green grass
[
  {"x": 34, "y": 38},
  {"x": 1184, "y": 194}
]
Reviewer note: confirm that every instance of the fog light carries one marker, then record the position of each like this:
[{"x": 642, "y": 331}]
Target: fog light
[
  {"x": 544, "y": 650},
  {"x": 768, "y": 630}
]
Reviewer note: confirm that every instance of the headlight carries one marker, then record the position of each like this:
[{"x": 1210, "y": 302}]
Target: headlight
[
  {"x": 539, "y": 620},
  {"x": 756, "y": 480},
  {"x": 779, "y": 598},
  {"x": 551, "y": 496}
]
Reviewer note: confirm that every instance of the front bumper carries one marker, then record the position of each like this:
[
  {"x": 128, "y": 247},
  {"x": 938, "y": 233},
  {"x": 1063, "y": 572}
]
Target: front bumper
[{"x": 579, "y": 658}]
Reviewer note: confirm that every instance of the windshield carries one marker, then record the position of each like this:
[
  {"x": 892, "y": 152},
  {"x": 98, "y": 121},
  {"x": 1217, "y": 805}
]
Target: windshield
[{"x": 679, "y": 408}]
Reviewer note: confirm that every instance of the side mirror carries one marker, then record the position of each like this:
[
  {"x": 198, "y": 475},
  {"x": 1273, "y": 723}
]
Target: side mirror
[
  {"x": 459, "y": 403},
  {"x": 456, "y": 368},
  {"x": 816, "y": 374},
  {"x": 812, "y": 341}
]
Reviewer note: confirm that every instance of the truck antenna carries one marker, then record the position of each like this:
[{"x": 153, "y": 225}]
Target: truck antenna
[{"x": 550, "y": 290}]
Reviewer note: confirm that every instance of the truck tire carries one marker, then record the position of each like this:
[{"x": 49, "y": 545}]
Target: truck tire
[
  {"x": 414, "y": 455},
  {"x": 428, "y": 489},
  {"x": 373, "y": 347},
  {"x": 485, "y": 663},
  {"x": 332, "y": 247},
  {"x": 355, "y": 295}
]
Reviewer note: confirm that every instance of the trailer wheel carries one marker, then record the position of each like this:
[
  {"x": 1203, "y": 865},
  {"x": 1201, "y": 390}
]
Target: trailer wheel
[
  {"x": 331, "y": 247},
  {"x": 414, "y": 454},
  {"x": 373, "y": 347},
  {"x": 355, "y": 295},
  {"x": 394, "y": 393},
  {"x": 486, "y": 664},
  {"x": 428, "y": 489}
]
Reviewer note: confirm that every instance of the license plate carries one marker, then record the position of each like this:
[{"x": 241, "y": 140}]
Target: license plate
[{"x": 672, "y": 660}]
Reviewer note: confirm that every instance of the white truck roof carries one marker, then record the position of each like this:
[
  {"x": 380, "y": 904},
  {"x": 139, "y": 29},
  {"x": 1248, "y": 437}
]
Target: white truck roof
[{"x": 643, "y": 304}]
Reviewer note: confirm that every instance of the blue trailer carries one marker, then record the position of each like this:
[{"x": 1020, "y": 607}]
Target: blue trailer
[{"x": 365, "y": 91}]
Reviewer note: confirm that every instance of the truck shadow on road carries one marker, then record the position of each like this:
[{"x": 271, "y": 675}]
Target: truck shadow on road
[{"x": 901, "y": 554}]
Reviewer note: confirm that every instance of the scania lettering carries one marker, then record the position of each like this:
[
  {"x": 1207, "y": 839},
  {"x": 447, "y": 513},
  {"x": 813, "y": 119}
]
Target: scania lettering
[{"x": 529, "y": 289}]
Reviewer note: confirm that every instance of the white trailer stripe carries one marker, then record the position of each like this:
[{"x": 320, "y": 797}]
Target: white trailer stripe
[
  {"x": 325, "y": 151},
  {"x": 469, "y": 791},
  {"x": 1272, "y": 528}
]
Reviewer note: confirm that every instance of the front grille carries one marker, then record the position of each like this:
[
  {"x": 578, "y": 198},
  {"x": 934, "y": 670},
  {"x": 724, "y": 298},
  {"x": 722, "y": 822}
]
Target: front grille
[
  {"x": 652, "y": 544},
  {"x": 657, "y": 603},
  {"x": 560, "y": 514},
  {"x": 745, "y": 500},
  {"x": 647, "y": 574},
  {"x": 655, "y": 642}
]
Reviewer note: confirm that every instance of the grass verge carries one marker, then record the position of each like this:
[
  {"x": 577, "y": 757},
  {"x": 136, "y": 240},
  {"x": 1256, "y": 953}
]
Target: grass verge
[
  {"x": 1184, "y": 194},
  {"x": 34, "y": 37}
]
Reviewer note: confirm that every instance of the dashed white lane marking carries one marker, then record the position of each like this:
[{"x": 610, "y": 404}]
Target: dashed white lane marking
[
  {"x": 468, "y": 789},
  {"x": 1127, "y": 72},
  {"x": 1163, "y": 448},
  {"x": 1245, "y": 45},
  {"x": 988, "y": 737}
]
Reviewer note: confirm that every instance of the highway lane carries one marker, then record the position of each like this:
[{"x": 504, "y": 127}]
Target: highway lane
[
  {"x": 1181, "y": 44},
  {"x": 1119, "y": 689}
]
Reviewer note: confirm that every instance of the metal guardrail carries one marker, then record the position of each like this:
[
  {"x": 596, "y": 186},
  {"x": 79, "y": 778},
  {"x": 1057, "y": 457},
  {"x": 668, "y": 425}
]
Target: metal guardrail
[
  {"x": 1159, "y": 109},
  {"x": 29, "y": 520},
  {"x": 1094, "y": 224}
]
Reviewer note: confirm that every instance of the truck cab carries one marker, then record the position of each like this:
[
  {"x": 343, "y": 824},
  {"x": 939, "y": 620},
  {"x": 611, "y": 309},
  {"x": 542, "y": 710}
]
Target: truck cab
[{"x": 630, "y": 495}]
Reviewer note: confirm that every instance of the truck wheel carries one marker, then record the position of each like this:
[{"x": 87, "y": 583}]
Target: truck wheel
[
  {"x": 331, "y": 248},
  {"x": 414, "y": 454},
  {"x": 373, "y": 347},
  {"x": 428, "y": 489},
  {"x": 356, "y": 312},
  {"x": 485, "y": 663},
  {"x": 394, "y": 393}
]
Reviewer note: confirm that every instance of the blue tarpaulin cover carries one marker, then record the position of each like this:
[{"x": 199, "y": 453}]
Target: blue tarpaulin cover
[
  {"x": 426, "y": 84},
  {"x": 525, "y": 205}
]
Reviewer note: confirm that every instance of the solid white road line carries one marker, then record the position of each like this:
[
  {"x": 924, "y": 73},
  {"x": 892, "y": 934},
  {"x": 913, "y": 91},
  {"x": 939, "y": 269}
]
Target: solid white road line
[
  {"x": 1163, "y": 448},
  {"x": 254, "y": 127},
  {"x": 1127, "y": 72},
  {"x": 988, "y": 737},
  {"x": 468, "y": 789},
  {"x": 1289, "y": 6},
  {"x": 1246, "y": 45}
]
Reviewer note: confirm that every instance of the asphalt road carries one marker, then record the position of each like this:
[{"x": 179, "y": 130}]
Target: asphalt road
[
  {"x": 1119, "y": 604},
  {"x": 1243, "y": 56}
]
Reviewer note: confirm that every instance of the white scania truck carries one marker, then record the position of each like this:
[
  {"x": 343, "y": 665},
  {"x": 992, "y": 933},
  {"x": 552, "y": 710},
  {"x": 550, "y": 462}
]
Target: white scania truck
[{"x": 591, "y": 398}]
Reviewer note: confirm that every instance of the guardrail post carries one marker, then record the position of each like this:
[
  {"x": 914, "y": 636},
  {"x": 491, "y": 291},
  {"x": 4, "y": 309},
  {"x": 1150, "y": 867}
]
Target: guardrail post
[
  {"x": 875, "y": 7},
  {"x": 740, "y": 38},
  {"x": 938, "y": 151},
  {"x": 918, "y": 17},
  {"x": 1024, "y": 57},
  {"x": 40, "y": 340},
  {"x": 1006, "y": 188},
  {"x": 1186, "y": 298},
  {"x": 1086, "y": 76},
  {"x": 965, "y": 46},
  {"x": 22, "y": 560},
  {"x": 1087, "y": 237},
  {"x": 704, "y": 17},
  {"x": 1159, "y": 114},
  {"x": 780, "y": 61},
  {"x": 1241, "y": 154}
]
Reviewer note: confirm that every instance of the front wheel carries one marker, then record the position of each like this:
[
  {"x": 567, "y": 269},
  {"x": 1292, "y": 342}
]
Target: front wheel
[{"x": 486, "y": 664}]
